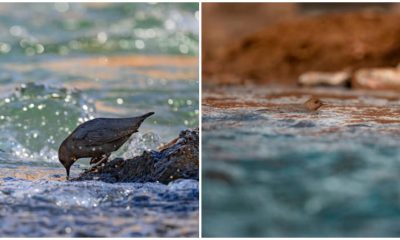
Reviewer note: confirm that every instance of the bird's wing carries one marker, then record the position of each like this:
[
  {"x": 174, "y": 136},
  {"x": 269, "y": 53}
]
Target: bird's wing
[{"x": 100, "y": 136}]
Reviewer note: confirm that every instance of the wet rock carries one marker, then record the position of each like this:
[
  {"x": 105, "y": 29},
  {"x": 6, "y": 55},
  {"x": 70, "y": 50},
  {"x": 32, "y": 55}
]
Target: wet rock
[
  {"x": 377, "y": 79},
  {"x": 177, "y": 160},
  {"x": 334, "y": 79}
]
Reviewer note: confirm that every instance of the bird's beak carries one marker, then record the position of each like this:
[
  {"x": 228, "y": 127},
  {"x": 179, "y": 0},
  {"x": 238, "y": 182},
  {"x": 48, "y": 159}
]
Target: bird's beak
[{"x": 67, "y": 168}]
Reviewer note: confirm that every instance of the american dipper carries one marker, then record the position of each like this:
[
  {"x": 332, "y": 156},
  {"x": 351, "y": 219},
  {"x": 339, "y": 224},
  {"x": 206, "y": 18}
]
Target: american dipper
[
  {"x": 97, "y": 138},
  {"x": 313, "y": 104},
  {"x": 310, "y": 106}
]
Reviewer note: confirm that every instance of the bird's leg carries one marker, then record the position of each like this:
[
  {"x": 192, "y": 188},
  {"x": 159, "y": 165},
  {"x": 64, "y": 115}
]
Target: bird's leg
[
  {"x": 95, "y": 160},
  {"x": 103, "y": 159}
]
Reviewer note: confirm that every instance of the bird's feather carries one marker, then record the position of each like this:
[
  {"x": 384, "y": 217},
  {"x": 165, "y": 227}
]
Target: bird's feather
[{"x": 101, "y": 136}]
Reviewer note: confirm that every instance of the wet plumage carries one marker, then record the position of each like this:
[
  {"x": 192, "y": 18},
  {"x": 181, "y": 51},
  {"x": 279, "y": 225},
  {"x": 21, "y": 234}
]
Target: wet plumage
[{"x": 97, "y": 139}]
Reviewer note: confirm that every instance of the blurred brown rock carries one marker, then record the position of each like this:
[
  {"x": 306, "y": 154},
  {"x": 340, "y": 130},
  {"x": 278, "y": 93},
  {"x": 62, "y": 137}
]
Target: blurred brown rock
[
  {"x": 275, "y": 43},
  {"x": 377, "y": 79},
  {"x": 335, "y": 79}
]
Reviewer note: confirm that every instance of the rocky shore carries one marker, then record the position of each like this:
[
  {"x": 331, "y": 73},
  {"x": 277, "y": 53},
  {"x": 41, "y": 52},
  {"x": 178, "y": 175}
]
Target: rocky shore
[{"x": 178, "y": 159}]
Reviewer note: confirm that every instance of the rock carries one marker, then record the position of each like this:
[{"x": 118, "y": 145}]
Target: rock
[
  {"x": 279, "y": 53},
  {"x": 377, "y": 79},
  {"x": 179, "y": 159},
  {"x": 311, "y": 79}
]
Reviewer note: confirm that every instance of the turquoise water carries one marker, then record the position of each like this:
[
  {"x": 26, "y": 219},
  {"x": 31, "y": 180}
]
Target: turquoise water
[
  {"x": 65, "y": 63},
  {"x": 271, "y": 171}
]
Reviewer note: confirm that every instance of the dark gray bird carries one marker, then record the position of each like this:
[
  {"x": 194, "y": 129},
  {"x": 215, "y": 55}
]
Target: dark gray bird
[{"x": 97, "y": 138}]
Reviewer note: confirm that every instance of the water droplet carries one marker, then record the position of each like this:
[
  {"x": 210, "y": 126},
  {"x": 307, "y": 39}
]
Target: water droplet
[
  {"x": 68, "y": 230},
  {"x": 139, "y": 44},
  {"x": 5, "y": 47},
  {"x": 120, "y": 101},
  {"x": 67, "y": 98},
  {"x": 16, "y": 30},
  {"x": 170, "y": 24},
  {"x": 39, "y": 48},
  {"x": 7, "y": 100},
  {"x": 31, "y": 105},
  {"x": 170, "y": 101},
  {"x": 25, "y": 109},
  {"x": 102, "y": 37},
  {"x": 183, "y": 48},
  {"x": 189, "y": 102},
  {"x": 85, "y": 107}
]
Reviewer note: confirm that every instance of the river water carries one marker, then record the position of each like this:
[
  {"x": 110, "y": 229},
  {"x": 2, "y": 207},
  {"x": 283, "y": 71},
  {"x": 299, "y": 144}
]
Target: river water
[
  {"x": 63, "y": 64},
  {"x": 272, "y": 169}
]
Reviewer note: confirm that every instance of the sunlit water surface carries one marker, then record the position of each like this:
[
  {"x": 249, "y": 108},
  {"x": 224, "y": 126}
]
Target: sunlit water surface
[
  {"x": 271, "y": 169},
  {"x": 63, "y": 64}
]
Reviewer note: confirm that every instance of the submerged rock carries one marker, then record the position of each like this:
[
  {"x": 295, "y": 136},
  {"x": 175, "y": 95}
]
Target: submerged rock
[{"x": 178, "y": 159}]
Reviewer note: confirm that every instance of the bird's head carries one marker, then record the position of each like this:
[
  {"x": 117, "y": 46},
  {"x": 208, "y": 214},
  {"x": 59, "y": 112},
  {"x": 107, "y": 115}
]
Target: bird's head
[
  {"x": 65, "y": 158},
  {"x": 313, "y": 104}
]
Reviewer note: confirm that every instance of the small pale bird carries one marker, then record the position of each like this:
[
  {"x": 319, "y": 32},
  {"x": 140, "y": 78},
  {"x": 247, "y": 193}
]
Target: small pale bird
[
  {"x": 313, "y": 104},
  {"x": 97, "y": 139}
]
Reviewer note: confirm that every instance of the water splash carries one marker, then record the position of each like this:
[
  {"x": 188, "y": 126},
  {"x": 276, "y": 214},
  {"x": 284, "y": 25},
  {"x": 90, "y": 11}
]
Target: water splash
[
  {"x": 85, "y": 208},
  {"x": 137, "y": 144},
  {"x": 36, "y": 118}
]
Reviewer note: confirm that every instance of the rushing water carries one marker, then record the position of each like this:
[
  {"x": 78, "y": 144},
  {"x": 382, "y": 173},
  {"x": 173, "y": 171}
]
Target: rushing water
[
  {"x": 271, "y": 169},
  {"x": 65, "y": 63}
]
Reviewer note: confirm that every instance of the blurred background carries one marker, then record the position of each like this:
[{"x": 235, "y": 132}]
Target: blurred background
[
  {"x": 288, "y": 39},
  {"x": 270, "y": 167}
]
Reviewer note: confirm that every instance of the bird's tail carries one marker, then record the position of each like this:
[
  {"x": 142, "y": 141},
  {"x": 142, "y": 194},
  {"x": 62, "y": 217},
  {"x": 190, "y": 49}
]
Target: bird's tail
[
  {"x": 135, "y": 122},
  {"x": 140, "y": 119},
  {"x": 146, "y": 115}
]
